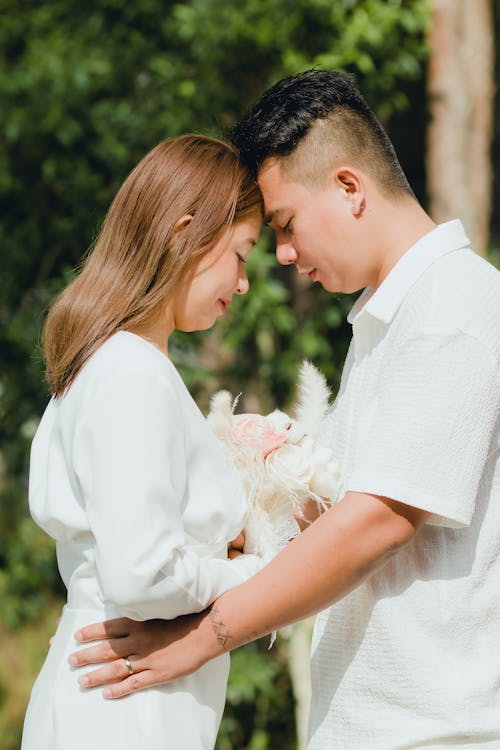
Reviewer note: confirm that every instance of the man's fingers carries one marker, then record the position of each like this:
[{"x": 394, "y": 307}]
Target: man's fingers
[
  {"x": 105, "y": 651},
  {"x": 133, "y": 683},
  {"x": 117, "y": 628},
  {"x": 116, "y": 670},
  {"x": 115, "y": 673}
]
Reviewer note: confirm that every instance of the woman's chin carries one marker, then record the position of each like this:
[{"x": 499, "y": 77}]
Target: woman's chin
[{"x": 197, "y": 325}]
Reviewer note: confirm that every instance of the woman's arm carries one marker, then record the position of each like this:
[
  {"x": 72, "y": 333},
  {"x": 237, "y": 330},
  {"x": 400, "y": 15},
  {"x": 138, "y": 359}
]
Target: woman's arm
[
  {"x": 132, "y": 466},
  {"x": 334, "y": 555}
]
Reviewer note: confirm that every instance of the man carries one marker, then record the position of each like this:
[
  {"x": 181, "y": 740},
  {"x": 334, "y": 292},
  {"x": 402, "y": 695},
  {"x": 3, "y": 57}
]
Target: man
[{"x": 405, "y": 568}]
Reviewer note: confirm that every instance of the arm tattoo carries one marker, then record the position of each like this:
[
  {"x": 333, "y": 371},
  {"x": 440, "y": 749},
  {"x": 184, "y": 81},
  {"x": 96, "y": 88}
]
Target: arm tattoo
[{"x": 219, "y": 627}]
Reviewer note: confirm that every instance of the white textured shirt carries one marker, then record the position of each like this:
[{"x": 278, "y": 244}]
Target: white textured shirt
[{"x": 410, "y": 659}]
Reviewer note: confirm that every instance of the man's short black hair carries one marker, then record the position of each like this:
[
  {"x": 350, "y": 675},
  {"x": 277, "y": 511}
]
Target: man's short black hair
[{"x": 287, "y": 112}]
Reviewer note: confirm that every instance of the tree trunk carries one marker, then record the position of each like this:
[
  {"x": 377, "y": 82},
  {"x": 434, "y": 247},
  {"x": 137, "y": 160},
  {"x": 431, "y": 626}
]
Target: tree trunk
[
  {"x": 495, "y": 223},
  {"x": 461, "y": 95}
]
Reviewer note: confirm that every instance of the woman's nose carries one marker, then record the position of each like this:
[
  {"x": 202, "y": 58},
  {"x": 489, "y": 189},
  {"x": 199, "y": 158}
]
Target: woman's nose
[{"x": 243, "y": 283}]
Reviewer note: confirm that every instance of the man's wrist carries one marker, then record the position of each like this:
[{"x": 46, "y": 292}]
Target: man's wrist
[{"x": 220, "y": 632}]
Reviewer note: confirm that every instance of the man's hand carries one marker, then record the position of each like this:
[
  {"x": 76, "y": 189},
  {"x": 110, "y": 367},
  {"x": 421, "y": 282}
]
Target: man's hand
[
  {"x": 304, "y": 578},
  {"x": 157, "y": 651}
]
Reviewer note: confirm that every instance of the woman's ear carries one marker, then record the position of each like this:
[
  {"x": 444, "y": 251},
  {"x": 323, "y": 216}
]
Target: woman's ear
[{"x": 183, "y": 222}]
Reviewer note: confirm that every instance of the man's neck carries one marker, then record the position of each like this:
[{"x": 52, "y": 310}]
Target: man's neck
[{"x": 400, "y": 226}]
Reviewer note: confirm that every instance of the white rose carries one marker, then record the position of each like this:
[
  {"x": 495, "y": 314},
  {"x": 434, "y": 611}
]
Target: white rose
[
  {"x": 325, "y": 481},
  {"x": 293, "y": 465}
]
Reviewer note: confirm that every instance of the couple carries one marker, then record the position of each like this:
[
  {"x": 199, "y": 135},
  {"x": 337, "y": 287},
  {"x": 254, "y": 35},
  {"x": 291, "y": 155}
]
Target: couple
[{"x": 126, "y": 476}]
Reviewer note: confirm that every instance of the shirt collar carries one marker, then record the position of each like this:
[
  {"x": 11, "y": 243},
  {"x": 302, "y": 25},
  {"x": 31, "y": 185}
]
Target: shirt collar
[{"x": 384, "y": 301}]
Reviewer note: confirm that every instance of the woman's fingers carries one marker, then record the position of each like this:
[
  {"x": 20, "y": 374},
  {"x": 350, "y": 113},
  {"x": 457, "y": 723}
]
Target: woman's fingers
[
  {"x": 104, "y": 651},
  {"x": 117, "y": 628},
  {"x": 238, "y": 542},
  {"x": 235, "y": 546}
]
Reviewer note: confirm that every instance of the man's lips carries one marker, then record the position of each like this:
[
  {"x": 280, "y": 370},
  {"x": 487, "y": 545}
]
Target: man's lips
[
  {"x": 224, "y": 303},
  {"x": 311, "y": 272}
]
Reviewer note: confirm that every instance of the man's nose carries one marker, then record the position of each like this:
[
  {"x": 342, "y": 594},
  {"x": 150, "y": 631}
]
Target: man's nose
[{"x": 285, "y": 253}]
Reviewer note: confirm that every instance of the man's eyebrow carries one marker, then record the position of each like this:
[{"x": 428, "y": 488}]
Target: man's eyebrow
[{"x": 270, "y": 216}]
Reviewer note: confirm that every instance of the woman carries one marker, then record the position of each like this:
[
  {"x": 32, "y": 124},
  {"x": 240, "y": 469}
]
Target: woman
[{"x": 125, "y": 473}]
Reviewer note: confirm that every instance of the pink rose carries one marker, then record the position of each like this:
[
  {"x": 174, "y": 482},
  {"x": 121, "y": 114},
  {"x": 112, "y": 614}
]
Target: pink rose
[{"x": 263, "y": 434}]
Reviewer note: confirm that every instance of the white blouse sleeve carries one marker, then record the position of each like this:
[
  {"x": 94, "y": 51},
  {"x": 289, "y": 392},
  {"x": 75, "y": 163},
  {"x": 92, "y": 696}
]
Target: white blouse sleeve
[{"x": 131, "y": 464}]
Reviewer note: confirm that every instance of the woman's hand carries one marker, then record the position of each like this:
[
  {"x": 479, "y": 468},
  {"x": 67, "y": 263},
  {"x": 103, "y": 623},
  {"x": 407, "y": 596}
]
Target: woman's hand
[
  {"x": 309, "y": 512},
  {"x": 157, "y": 651},
  {"x": 235, "y": 547}
]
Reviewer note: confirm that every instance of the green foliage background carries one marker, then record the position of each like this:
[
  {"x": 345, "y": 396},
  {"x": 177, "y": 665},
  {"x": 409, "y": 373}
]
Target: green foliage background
[{"x": 85, "y": 90}]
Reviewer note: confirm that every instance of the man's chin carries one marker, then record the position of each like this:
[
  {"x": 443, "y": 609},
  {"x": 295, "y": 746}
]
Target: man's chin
[
  {"x": 336, "y": 287},
  {"x": 329, "y": 285}
]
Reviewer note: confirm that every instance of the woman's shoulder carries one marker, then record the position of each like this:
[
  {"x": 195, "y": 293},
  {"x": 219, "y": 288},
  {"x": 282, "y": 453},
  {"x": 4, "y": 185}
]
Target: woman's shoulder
[
  {"x": 125, "y": 353},
  {"x": 127, "y": 358},
  {"x": 126, "y": 374}
]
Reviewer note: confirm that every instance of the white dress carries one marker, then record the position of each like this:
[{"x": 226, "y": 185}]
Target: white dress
[{"x": 127, "y": 476}]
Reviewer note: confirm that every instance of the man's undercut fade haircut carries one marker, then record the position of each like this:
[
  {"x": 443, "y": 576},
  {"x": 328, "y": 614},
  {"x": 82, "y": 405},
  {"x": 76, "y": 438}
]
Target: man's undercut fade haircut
[{"x": 314, "y": 121}]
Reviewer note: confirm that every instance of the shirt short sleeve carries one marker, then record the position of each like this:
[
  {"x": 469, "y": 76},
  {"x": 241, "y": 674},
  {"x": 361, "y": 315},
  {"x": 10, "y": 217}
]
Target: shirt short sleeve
[{"x": 429, "y": 431}]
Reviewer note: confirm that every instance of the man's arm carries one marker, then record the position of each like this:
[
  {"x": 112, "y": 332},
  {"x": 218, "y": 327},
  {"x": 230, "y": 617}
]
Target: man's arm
[{"x": 335, "y": 554}]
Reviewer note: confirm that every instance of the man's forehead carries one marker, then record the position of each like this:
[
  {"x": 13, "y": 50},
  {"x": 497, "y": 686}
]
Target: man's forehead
[
  {"x": 273, "y": 187},
  {"x": 270, "y": 163}
]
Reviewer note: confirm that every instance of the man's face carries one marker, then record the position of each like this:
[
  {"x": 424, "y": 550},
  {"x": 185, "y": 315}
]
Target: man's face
[{"x": 316, "y": 229}]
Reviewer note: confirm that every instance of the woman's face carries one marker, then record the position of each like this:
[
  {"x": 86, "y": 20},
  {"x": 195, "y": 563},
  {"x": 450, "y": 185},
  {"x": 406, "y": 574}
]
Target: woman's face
[{"x": 219, "y": 274}]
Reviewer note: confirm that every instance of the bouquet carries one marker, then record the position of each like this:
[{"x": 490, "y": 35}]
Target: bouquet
[{"x": 281, "y": 460}]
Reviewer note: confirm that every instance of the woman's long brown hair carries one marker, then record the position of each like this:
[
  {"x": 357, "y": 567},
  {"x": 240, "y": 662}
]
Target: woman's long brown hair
[{"x": 139, "y": 256}]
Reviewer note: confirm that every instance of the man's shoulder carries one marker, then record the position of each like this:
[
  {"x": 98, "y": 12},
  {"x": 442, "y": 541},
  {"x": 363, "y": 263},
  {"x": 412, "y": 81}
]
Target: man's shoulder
[
  {"x": 467, "y": 265},
  {"x": 460, "y": 291}
]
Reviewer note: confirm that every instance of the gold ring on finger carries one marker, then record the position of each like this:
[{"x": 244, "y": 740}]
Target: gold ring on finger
[{"x": 129, "y": 666}]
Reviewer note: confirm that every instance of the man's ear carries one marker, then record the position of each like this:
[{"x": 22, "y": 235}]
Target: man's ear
[
  {"x": 351, "y": 184},
  {"x": 183, "y": 222}
]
